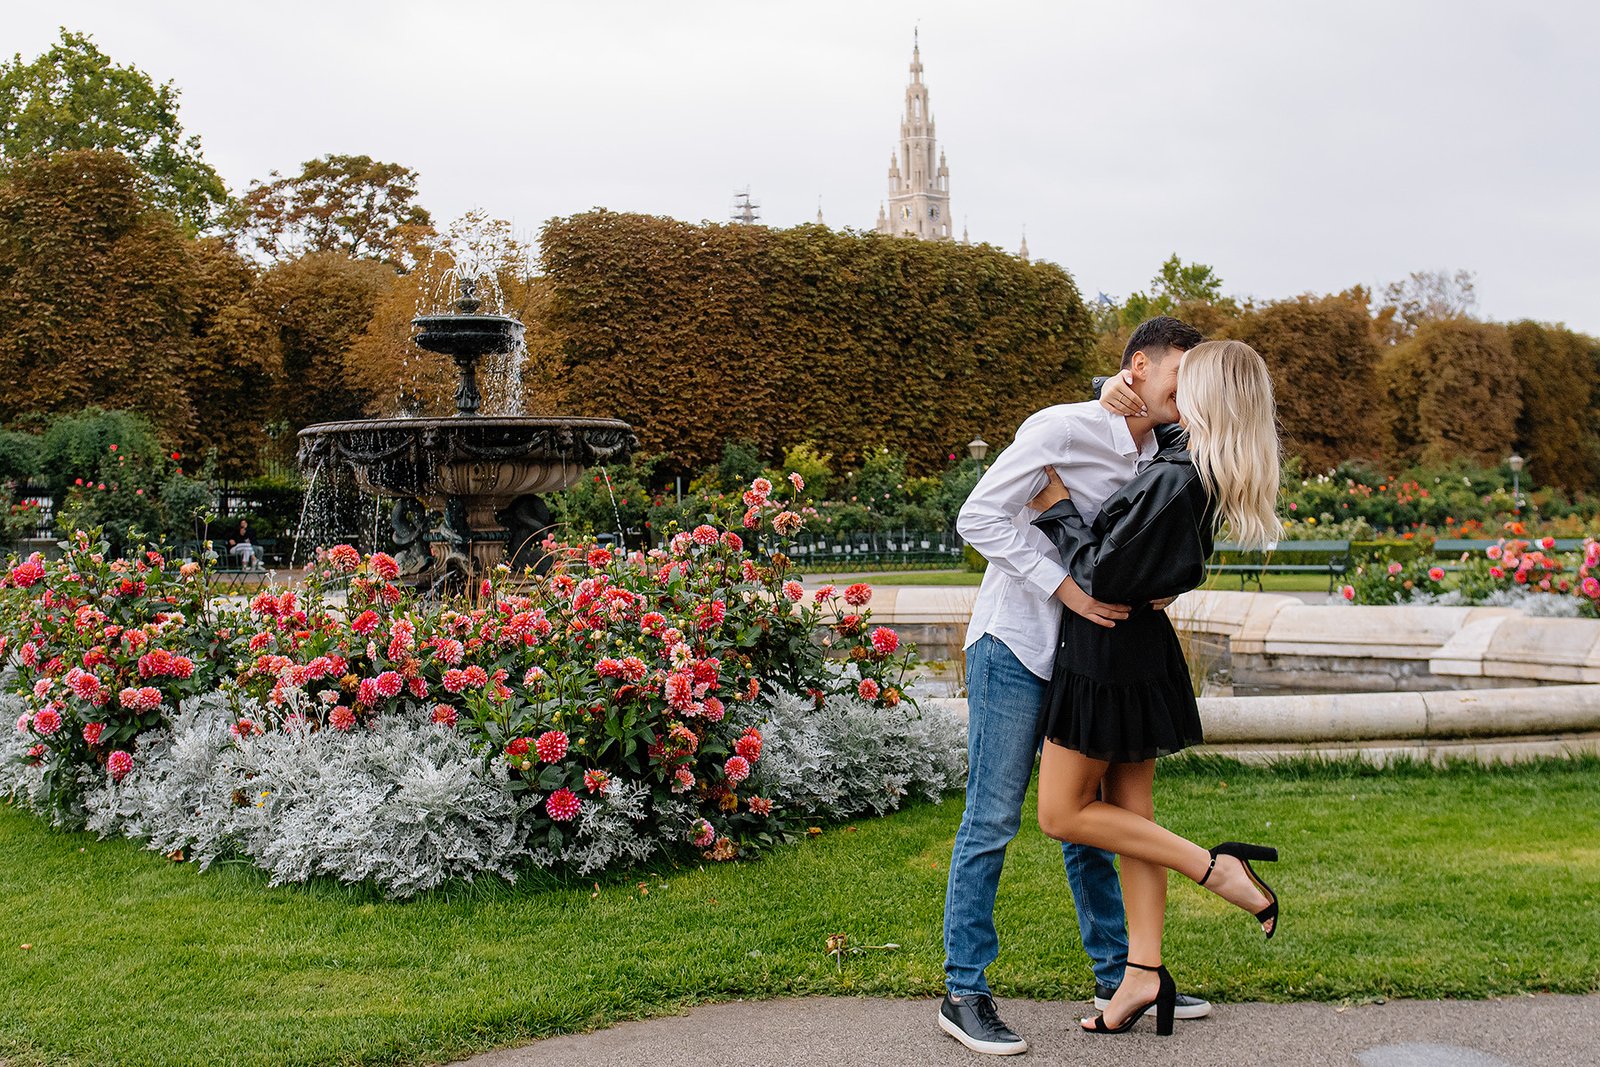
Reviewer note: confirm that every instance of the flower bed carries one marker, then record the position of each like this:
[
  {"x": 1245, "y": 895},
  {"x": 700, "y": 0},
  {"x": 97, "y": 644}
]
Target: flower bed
[
  {"x": 622, "y": 706},
  {"x": 1524, "y": 574}
]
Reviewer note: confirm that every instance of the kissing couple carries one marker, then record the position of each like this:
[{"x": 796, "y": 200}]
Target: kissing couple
[{"x": 1106, "y": 509}]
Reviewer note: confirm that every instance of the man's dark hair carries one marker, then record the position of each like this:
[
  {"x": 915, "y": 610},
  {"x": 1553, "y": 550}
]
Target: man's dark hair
[{"x": 1156, "y": 335}]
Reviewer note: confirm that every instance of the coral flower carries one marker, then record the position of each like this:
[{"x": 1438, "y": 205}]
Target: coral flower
[
  {"x": 737, "y": 768},
  {"x": 119, "y": 763},
  {"x": 868, "y": 689},
  {"x": 92, "y": 732},
  {"x": 702, "y": 834},
  {"x": 444, "y": 715},
  {"x": 47, "y": 722},
  {"x": 793, "y": 590},
  {"x": 786, "y": 523},
  {"x": 341, "y": 718},
  {"x": 885, "y": 641},
  {"x": 858, "y": 595},
  {"x": 385, "y": 567},
  {"x": 1436, "y": 574}
]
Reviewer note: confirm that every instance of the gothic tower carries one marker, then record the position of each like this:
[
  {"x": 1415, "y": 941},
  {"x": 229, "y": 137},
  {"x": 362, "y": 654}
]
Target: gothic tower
[{"x": 919, "y": 180}]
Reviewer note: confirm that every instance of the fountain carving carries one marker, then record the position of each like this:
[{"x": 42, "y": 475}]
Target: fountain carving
[{"x": 467, "y": 487}]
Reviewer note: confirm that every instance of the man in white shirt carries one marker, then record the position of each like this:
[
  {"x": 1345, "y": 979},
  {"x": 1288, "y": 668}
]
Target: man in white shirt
[{"x": 1010, "y": 647}]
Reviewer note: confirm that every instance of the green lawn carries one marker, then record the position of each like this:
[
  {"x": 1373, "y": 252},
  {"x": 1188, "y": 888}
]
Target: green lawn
[{"x": 1412, "y": 882}]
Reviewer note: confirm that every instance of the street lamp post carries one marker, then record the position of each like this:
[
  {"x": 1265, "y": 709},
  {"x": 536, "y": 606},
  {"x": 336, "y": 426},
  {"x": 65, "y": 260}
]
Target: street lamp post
[
  {"x": 1516, "y": 462},
  {"x": 978, "y": 448}
]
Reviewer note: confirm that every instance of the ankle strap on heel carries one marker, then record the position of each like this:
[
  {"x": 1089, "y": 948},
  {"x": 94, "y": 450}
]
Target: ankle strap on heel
[
  {"x": 1207, "y": 876},
  {"x": 1142, "y": 967}
]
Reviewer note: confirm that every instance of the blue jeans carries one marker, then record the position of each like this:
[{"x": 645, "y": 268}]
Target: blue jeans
[{"x": 1004, "y": 730}]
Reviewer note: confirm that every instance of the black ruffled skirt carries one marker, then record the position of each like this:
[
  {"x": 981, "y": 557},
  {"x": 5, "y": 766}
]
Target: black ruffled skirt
[{"x": 1123, "y": 694}]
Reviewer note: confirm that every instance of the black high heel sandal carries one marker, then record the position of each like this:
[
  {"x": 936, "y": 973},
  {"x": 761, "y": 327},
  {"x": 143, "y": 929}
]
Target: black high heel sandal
[
  {"x": 1244, "y": 854},
  {"x": 1165, "y": 1004}
]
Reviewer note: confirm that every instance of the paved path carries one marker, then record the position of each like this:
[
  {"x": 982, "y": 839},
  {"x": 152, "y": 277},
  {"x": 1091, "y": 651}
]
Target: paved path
[{"x": 1543, "y": 1031}]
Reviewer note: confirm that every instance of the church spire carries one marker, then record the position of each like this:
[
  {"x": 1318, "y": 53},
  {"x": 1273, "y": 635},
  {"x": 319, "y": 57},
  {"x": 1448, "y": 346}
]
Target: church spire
[
  {"x": 919, "y": 177},
  {"x": 1023, "y": 251}
]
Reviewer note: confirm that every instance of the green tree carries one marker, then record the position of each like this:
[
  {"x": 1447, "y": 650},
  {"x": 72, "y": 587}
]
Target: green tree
[
  {"x": 355, "y": 205},
  {"x": 74, "y": 97},
  {"x": 1176, "y": 285}
]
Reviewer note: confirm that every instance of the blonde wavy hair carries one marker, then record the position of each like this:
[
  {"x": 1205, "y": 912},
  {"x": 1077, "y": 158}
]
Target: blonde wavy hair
[{"x": 1225, "y": 395}]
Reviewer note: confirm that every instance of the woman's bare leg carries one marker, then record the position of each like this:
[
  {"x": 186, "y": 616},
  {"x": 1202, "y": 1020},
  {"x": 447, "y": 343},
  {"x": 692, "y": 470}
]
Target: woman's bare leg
[
  {"x": 1129, "y": 786},
  {"x": 1070, "y": 809}
]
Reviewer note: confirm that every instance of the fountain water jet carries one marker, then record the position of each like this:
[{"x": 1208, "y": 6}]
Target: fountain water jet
[{"x": 466, "y": 487}]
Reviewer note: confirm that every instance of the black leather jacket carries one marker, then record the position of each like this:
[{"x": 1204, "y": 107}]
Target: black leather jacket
[{"x": 1151, "y": 539}]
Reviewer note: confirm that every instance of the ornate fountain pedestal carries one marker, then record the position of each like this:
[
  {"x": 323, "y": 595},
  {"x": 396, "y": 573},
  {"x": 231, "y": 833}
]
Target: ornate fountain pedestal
[{"x": 467, "y": 487}]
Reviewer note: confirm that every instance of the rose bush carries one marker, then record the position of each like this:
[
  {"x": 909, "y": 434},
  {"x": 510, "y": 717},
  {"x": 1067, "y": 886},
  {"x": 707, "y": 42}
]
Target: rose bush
[{"x": 1516, "y": 572}]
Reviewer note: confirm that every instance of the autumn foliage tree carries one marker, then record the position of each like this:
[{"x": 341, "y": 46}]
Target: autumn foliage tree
[
  {"x": 1558, "y": 432},
  {"x": 1324, "y": 362},
  {"x": 1453, "y": 393},
  {"x": 701, "y": 333},
  {"x": 95, "y": 307},
  {"x": 354, "y": 205}
]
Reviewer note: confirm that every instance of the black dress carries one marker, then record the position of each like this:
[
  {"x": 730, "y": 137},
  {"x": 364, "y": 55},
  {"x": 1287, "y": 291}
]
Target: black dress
[{"x": 1123, "y": 694}]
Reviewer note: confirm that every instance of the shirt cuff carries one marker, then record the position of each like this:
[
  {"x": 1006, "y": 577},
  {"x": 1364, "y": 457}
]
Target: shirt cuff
[{"x": 1047, "y": 576}]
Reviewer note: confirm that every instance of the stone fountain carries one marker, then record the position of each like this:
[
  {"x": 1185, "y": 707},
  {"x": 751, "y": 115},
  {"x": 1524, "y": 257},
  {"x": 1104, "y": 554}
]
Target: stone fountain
[{"x": 467, "y": 487}]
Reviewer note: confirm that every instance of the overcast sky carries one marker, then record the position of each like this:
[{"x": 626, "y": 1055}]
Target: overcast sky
[{"x": 1295, "y": 147}]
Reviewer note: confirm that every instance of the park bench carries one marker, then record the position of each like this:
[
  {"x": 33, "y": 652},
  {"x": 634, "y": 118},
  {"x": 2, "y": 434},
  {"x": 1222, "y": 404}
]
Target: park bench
[
  {"x": 1447, "y": 548},
  {"x": 1316, "y": 557}
]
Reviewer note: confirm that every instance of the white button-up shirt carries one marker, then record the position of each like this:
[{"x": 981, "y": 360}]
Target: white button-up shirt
[{"x": 1095, "y": 455}]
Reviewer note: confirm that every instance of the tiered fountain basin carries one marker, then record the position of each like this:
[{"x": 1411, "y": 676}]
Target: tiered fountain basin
[{"x": 473, "y": 469}]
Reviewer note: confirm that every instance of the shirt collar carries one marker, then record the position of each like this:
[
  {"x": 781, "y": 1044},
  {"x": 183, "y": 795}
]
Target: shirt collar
[{"x": 1122, "y": 441}]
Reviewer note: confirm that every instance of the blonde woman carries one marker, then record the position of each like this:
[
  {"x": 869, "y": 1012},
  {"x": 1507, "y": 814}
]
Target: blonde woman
[{"x": 1121, "y": 697}]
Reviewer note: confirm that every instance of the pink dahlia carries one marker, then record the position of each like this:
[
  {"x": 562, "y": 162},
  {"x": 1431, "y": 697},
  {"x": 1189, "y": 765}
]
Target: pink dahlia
[
  {"x": 798, "y": 482},
  {"x": 27, "y": 573},
  {"x": 702, "y": 834},
  {"x": 596, "y": 781},
  {"x": 858, "y": 595},
  {"x": 786, "y": 523},
  {"x": 705, "y": 535},
  {"x": 793, "y": 590},
  {"x": 868, "y": 689},
  {"x": 680, "y": 689},
  {"x": 46, "y": 722},
  {"x": 92, "y": 732},
  {"x": 1494, "y": 551},
  {"x": 341, "y": 718},
  {"x": 712, "y": 709},
  {"x": 1395, "y": 568},
  {"x": 344, "y": 558},
  {"x": 1591, "y": 587},
  {"x": 761, "y": 487},
  {"x": 476, "y": 676},
  {"x": 1497, "y": 572},
  {"x": 733, "y": 541},
  {"x": 1436, "y": 574},
  {"x": 389, "y": 683},
  {"x": 885, "y": 641},
  {"x": 682, "y": 780},
  {"x": 749, "y": 744},
  {"x": 826, "y": 592},
  {"x": 367, "y": 694},
  {"x": 737, "y": 768},
  {"x": 633, "y": 668},
  {"x": 599, "y": 559},
  {"x": 551, "y": 746},
  {"x": 752, "y": 519},
  {"x": 365, "y": 623},
  {"x": 454, "y": 681},
  {"x": 119, "y": 763},
  {"x": 444, "y": 715},
  {"x": 1547, "y": 543},
  {"x": 384, "y": 566},
  {"x": 563, "y": 805},
  {"x": 759, "y": 805}
]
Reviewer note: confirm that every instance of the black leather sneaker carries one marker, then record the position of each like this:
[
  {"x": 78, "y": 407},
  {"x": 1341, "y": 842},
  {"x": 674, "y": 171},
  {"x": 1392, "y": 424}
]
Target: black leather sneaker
[
  {"x": 1188, "y": 1007},
  {"x": 973, "y": 1021}
]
